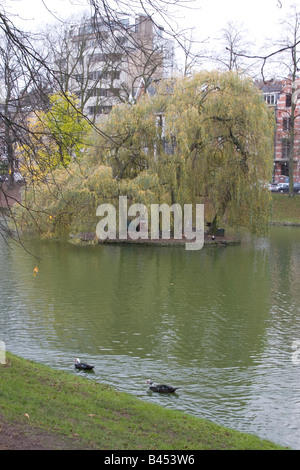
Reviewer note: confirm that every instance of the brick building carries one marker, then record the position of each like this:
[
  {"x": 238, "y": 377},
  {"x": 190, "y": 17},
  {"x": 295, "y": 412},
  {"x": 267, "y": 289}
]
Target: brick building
[{"x": 278, "y": 95}]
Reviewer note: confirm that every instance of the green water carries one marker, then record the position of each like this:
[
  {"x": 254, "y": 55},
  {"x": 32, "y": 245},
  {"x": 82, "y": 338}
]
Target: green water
[{"x": 217, "y": 323}]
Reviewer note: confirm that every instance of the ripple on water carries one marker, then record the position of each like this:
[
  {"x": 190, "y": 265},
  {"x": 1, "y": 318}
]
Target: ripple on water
[{"x": 219, "y": 324}]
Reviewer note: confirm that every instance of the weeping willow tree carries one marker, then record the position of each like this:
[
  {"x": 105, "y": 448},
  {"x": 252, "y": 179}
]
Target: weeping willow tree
[
  {"x": 205, "y": 138},
  {"x": 128, "y": 139},
  {"x": 224, "y": 145}
]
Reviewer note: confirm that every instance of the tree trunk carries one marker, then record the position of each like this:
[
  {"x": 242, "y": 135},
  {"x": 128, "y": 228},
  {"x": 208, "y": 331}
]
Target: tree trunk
[
  {"x": 292, "y": 136},
  {"x": 9, "y": 151},
  {"x": 213, "y": 229}
]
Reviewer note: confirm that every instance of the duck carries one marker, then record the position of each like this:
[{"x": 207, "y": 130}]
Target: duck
[
  {"x": 82, "y": 365},
  {"x": 160, "y": 388}
]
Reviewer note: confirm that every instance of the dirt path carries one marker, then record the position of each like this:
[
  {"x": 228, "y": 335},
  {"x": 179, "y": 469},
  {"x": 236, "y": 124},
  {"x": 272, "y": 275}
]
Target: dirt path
[{"x": 22, "y": 436}]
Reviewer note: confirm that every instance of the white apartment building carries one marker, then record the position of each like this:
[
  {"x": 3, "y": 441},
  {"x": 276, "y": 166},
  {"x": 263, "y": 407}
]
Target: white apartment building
[{"x": 111, "y": 60}]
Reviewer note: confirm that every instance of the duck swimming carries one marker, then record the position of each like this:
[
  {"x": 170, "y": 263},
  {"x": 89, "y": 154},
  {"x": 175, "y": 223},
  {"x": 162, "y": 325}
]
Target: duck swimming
[
  {"x": 82, "y": 365},
  {"x": 160, "y": 388}
]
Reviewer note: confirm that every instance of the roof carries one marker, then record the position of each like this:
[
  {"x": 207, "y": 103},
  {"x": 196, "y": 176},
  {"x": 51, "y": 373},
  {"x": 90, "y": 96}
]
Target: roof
[{"x": 270, "y": 86}]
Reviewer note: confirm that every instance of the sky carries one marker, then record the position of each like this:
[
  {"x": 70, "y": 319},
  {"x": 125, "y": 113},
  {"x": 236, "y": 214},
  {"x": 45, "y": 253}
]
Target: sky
[
  {"x": 40, "y": 12},
  {"x": 259, "y": 18}
]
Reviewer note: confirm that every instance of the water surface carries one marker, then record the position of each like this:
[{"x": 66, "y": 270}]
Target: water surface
[{"x": 217, "y": 323}]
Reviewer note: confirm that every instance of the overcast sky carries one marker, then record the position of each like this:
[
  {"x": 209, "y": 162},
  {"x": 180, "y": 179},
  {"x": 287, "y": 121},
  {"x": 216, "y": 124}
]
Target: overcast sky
[{"x": 260, "y": 18}]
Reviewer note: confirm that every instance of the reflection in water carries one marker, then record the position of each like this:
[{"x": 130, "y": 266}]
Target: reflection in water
[{"x": 218, "y": 323}]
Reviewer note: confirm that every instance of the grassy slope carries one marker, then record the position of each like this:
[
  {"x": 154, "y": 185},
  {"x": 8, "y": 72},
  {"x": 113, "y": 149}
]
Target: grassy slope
[
  {"x": 103, "y": 418},
  {"x": 285, "y": 209}
]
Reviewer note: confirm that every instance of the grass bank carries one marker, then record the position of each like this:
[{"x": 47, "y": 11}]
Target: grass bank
[
  {"x": 285, "y": 210},
  {"x": 69, "y": 411}
]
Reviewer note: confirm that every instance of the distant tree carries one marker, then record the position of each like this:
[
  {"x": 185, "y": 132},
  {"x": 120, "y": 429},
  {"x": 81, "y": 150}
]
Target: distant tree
[
  {"x": 18, "y": 93},
  {"x": 234, "y": 44},
  {"x": 193, "y": 55},
  {"x": 57, "y": 136}
]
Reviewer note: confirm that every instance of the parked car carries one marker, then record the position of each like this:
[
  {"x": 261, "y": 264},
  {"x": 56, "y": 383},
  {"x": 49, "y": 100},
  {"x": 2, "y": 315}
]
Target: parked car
[
  {"x": 297, "y": 188},
  {"x": 273, "y": 187},
  {"x": 283, "y": 187}
]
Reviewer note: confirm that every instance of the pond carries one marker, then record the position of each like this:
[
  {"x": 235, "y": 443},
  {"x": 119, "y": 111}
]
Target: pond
[{"x": 218, "y": 323}]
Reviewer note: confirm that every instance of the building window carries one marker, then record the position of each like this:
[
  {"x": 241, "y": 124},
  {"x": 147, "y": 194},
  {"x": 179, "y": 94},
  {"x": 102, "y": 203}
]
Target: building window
[
  {"x": 97, "y": 57},
  {"x": 107, "y": 92},
  {"x": 285, "y": 153},
  {"x": 98, "y": 109},
  {"x": 111, "y": 92},
  {"x": 285, "y": 169},
  {"x": 95, "y": 75},
  {"x": 111, "y": 74},
  {"x": 286, "y": 123},
  {"x": 124, "y": 21},
  {"x": 113, "y": 57},
  {"x": 271, "y": 98},
  {"x": 86, "y": 29},
  {"x": 95, "y": 92},
  {"x": 288, "y": 100},
  {"x": 100, "y": 57}
]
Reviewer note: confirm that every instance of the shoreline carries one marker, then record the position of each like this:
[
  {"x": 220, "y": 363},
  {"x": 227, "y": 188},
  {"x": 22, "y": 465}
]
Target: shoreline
[
  {"x": 285, "y": 224},
  {"x": 108, "y": 420},
  {"x": 89, "y": 237}
]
